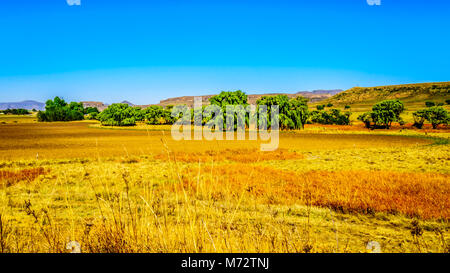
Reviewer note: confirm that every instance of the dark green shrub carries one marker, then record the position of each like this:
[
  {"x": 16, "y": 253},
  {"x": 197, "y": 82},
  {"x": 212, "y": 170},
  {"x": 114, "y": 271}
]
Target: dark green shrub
[
  {"x": 333, "y": 116},
  {"x": 429, "y": 104}
]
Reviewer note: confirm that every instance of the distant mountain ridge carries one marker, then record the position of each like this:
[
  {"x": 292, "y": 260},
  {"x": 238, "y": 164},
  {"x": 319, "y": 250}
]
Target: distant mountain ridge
[{"x": 26, "y": 104}]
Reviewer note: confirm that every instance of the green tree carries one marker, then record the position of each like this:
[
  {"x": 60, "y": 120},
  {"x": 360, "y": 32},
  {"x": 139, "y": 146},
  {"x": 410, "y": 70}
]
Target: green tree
[
  {"x": 436, "y": 115},
  {"x": 293, "y": 113},
  {"x": 231, "y": 98},
  {"x": 386, "y": 112},
  {"x": 333, "y": 116},
  {"x": 157, "y": 115},
  {"x": 419, "y": 118},
  {"x": 298, "y": 112},
  {"x": 367, "y": 118},
  {"x": 118, "y": 114}
]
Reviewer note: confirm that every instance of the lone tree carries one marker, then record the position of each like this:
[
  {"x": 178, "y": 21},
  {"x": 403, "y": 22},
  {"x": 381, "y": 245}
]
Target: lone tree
[
  {"x": 387, "y": 111},
  {"x": 419, "y": 118},
  {"x": 383, "y": 114},
  {"x": 436, "y": 115},
  {"x": 293, "y": 113}
]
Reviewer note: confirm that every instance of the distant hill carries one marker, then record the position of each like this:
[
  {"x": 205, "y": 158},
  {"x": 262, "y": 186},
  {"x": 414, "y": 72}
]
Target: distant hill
[
  {"x": 27, "y": 104},
  {"x": 313, "y": 96},
  {"x": 127, "y": 102},
  {"x": 419, "y": 92},
  {"x": 97, "y": 104}
]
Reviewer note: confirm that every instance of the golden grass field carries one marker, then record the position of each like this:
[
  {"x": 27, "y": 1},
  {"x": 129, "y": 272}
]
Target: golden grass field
[{"x": 326, "y": 189}]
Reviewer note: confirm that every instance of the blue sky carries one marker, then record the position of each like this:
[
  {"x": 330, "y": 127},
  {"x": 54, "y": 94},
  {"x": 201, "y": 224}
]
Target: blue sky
[{"x": 145, "y": 51}]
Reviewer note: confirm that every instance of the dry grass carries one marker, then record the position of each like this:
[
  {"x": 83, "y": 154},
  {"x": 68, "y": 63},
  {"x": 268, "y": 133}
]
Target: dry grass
[
  {"x": 138, "y": 191},
  {"x": 237, "y": 155},
  {"x": 9, "y": 178},
  {"x": 420, "y": 195},
  {"x": 77, "y": 140}
]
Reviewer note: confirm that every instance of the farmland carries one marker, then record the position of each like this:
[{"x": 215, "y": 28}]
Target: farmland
[{"x": 326, "y": 189}]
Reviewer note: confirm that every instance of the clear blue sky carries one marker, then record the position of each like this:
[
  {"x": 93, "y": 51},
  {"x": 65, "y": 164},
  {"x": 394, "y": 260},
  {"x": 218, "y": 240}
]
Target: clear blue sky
[{"x": 145, "y": 51}]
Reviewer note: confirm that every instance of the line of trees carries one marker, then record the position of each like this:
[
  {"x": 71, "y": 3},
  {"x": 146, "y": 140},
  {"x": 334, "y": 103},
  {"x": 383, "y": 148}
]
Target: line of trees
[
  {"x": 15, "y": 112},
  {"x": 435, "y": 115},
  {"x": 293, "y": 113},
  {"x": 386, "y": 112}
]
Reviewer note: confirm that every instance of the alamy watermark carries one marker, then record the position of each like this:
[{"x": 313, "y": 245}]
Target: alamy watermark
[{"x": 212, "y": 122}]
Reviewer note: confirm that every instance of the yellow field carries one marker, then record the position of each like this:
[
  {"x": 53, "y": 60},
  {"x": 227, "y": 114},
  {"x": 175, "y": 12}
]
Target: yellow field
[{"x": 327, "y": 189}]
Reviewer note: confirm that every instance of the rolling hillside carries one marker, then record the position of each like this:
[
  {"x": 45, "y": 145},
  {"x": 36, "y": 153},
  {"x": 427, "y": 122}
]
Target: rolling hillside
[{"x": 408, "y": 93}]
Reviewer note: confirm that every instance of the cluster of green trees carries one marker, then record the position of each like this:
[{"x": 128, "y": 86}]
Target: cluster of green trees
[
  {"x": 293, "y": 113},
  {"x": 435, "y": 115},
  {"x": 121, "y": 114},
  {"x": 388, "y": 111},
  {"x": 15, "y": 112},
  {"x": 383, "y": 114},
  {"x": 59, "y": 110},
  {"x": 332, "y": 116}
]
